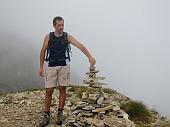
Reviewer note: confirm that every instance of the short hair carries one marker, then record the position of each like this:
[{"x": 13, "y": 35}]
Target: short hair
[{"x": 57, "y": 18}]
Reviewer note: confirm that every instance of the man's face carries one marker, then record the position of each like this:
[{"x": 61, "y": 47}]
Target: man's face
[{"x": 59, "y": 26}]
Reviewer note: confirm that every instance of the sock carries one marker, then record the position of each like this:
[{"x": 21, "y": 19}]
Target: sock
[
  {"x": 47, "y": 112},
  {"x": 60, "y": 110}
]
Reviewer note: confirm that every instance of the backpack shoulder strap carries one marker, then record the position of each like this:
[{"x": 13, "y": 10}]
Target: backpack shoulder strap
[
  {"x": 48, "y": 48},
  {"x": 50, "y": 39},
  {"x": 68, "y": 47},
  {"x": 65, "y": 37}
]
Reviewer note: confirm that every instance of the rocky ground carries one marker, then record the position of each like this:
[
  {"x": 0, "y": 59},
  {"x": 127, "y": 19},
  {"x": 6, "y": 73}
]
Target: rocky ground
[{"x": 85, "y": 108}]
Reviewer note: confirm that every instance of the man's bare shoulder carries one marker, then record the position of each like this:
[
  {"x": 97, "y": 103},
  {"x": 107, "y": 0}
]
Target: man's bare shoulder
[
  {"x": 71, "y": 38},
  {"x": 47, "y": 36},
  {"x": 46, "y": 40}
]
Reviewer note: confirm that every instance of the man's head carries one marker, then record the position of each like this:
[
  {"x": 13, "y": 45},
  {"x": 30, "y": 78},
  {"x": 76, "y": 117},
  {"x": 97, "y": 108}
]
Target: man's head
[{"x": 58, "y": 23}]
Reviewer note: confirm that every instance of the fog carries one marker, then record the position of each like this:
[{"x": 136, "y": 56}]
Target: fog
[{"x": 129, "y": 39}]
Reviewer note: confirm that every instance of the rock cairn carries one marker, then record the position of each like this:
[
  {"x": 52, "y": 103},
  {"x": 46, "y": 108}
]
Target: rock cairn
[
  {"x": 92, "y": 79},
  {"x": 95, "y": 108}
]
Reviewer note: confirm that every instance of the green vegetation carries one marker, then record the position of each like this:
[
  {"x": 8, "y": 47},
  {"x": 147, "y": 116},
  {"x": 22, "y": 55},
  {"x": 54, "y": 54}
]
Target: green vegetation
[
  {"x": 2, "y": 94},
  {"x": 77, "y": 90},
  {"x": 137, "y": 111},
  {"x": 108, "y": 90},
  {"x": 141, "y": 125}
]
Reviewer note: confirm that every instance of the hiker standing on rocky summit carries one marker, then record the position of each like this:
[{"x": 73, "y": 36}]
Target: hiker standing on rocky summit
[{"x": 58, "y": 71}]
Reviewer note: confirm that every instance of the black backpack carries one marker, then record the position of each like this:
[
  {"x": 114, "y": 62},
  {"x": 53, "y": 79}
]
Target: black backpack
[{"x": 65, "y": 41}]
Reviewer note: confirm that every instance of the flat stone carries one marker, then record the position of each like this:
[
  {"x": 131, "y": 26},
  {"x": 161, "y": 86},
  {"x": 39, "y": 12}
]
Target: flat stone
[{"x": 103, "y": 109}]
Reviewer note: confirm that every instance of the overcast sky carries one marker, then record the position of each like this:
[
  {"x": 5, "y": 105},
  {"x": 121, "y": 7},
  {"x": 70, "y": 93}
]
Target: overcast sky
[{"x": 130, "y": 40}]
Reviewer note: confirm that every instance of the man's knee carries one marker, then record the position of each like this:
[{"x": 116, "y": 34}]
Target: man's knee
[
  {"x": 62, "y": 89},
  {"x": 49, "y": 91}
]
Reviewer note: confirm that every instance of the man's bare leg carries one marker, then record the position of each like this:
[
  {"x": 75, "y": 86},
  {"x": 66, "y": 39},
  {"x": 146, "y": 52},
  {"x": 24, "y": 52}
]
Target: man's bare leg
[
  {"x": 62, "y": 96},
  {"x": 48, "y": 98}
]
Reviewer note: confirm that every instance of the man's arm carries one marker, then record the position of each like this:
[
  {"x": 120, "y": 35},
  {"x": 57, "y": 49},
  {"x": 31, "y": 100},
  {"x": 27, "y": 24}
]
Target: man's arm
[
  {"x": 42, "y": 54},
  {"x": 76, "y": 43}
]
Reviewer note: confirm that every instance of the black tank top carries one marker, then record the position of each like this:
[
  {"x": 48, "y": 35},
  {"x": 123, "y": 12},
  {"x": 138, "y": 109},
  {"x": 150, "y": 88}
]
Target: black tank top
[{"x": 57, "y": 54}]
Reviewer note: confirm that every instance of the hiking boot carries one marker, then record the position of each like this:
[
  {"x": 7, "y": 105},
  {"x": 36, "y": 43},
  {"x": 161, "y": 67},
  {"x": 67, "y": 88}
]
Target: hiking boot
[
  {"x": 45, "y": 120},
  {"x": 59, "y": 117}
]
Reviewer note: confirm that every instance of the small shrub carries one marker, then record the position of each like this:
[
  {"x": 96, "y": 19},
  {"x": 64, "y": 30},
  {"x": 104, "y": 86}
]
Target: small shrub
[
  {"x": 108, "y": 90},
  {"x": 137, "y": 111},
  {"x": 77, "y": 90},
  {"x": 2, "y": 94},
  {"x": 73, "y": 88}
]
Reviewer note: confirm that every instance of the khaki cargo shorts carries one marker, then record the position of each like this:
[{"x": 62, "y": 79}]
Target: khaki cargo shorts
[{"x": 58, "y": 75}]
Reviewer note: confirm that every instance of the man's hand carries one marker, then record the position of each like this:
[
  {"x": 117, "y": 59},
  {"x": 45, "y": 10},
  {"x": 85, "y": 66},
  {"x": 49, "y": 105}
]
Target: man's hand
[
  {"x": 41, "y": 72},
  {"x": 92, "y": 60}
]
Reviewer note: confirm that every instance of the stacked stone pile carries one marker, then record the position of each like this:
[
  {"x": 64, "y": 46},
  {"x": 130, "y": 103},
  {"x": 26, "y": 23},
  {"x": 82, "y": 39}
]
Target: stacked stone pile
[{"x": 95, "y": 108}]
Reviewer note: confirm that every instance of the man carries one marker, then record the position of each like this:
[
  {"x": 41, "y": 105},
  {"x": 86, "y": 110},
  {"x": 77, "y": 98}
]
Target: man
[{"x": 58, "y": 70}]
